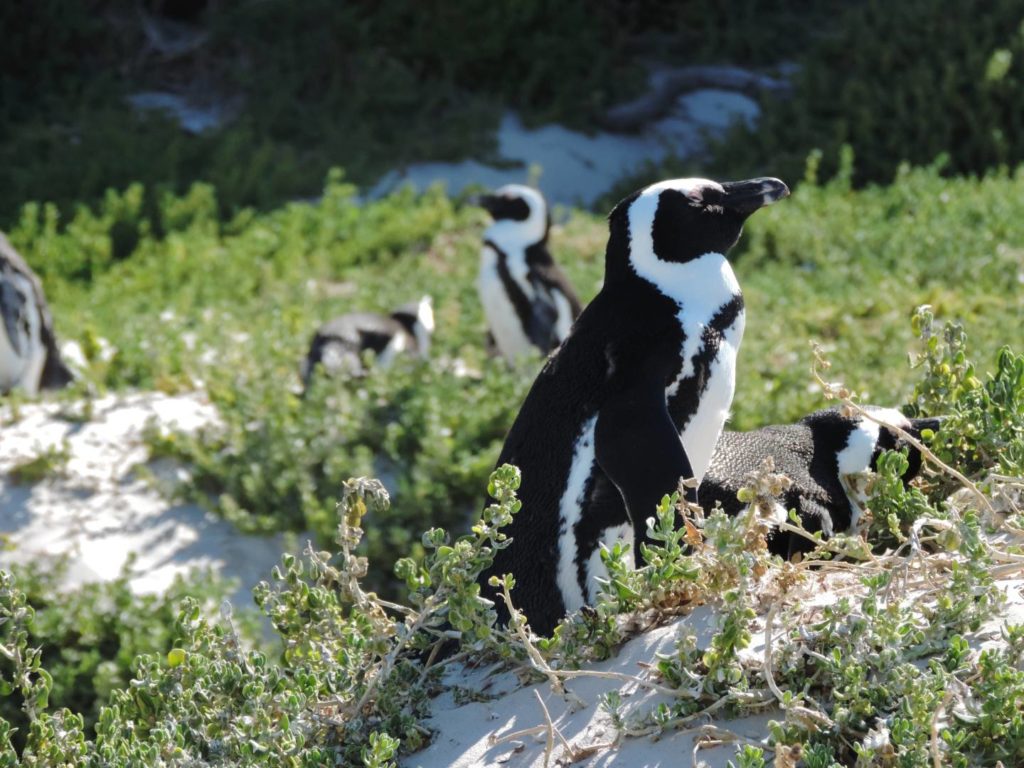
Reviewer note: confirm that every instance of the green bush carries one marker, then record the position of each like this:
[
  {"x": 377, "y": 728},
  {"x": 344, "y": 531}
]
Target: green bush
[
  {"x": 859, "y": 679},
  {"x": 88, "y": 638},
  {"x": 232, "y": 306},
  {"x": 370, "y": 86},
  {"x": 900, "y": 82}
]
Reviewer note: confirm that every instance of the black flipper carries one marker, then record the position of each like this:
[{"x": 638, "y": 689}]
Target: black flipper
[
  {"x": 541, "y": 327},
  {"x": 636, "y": 444}
]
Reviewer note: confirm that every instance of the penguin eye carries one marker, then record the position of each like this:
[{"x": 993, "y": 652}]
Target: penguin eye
[{"x": 711, "y": 199}]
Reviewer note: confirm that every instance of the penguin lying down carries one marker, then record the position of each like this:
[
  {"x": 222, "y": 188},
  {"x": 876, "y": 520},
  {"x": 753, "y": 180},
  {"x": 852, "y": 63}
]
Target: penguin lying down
[
  {"x": 29, "y": 358},
  {"x": 816, "y": 453},
  {"x": 339, "y": 345}
]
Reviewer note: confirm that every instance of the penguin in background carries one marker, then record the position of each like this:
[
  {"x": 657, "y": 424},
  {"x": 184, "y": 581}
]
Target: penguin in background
[
  {"x": 635, "y": 397},
  {"x": 528, "y": 301},
  {"x": 338, "y": 345},
  {"x": 817, "y": 454},
  {"x": 29, "y": 357}
]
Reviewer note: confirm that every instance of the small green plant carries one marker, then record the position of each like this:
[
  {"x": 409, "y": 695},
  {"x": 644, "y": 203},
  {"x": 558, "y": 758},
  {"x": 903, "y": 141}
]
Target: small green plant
[
  {"x": 983, "y": 430},
  {"x": 87, "y": 639},
  {"x": 49, "y": 462},
  {"x": 911, "y": 84}
]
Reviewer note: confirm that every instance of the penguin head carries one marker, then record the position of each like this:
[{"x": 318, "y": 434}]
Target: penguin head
[
  {"x": 418, "y": 319},
  {"x": 890, "y": 440},
  {"x": 520, "y": 215},
  {"x": 858, "y": 441},
  {"x": 680, "y": 220}
]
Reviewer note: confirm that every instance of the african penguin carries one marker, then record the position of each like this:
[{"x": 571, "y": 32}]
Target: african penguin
[
  {"x": 339, "y": 344},
  {"x": 29, "y": 357},
  {"x": 527, "y": 299},
  {"x": 635, "y": 397},
  {"x": 817, "y": 454}
]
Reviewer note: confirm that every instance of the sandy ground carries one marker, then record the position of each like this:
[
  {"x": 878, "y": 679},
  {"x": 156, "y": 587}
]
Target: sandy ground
[
  {"x": 100, "y": 510},
  {"x": 576, "y": 168},
  {"x": 484, "y": 733}
]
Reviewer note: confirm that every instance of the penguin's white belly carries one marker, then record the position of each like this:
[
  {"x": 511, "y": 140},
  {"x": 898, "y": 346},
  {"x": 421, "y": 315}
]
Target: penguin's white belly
[
  {"x": 501, "y": 316},
  {"x": 12, "y": 366},
  {"x": 24, "y": 370},
  {"x": 701, "y": 433},
  {"x": 570, "y": 508}
]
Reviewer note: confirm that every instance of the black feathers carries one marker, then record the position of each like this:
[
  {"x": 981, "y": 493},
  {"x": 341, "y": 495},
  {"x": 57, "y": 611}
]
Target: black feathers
[{"x": 814, "y": 453}]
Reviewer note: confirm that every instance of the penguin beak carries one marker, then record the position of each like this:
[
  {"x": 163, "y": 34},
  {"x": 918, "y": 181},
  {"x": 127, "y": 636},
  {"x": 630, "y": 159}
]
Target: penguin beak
[{"x": 745, "y": 197}]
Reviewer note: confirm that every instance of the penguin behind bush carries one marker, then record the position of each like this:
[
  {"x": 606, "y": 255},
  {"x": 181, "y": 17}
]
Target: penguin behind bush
[
  {"x": 817, "y": 454},
  {"x": 339, "y": 345},
  {"x": 29, "y": 357},
  {"x": 528, "y": 301},
  {"x": 635, "y": 397}
]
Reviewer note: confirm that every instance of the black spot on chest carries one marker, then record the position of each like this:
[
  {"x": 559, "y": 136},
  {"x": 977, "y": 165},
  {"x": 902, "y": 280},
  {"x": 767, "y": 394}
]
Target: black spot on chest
[{"x": 683, "y": 404}]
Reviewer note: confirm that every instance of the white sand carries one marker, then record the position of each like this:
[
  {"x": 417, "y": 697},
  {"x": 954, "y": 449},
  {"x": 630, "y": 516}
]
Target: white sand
[
  {"x": 101, "y": 512},
  {"x": 577, "y": 168},
  {"x": 466, "y": 735}
]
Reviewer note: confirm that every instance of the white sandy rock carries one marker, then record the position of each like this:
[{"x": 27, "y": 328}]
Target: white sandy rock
[{"x": 99, "y": 511}]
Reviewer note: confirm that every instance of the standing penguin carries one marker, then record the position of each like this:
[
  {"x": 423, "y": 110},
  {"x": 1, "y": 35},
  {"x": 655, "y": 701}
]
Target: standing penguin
[
  {"x": 339, "y": 344},
  {"x": 635, "y": 398},
  {"x": 29, "y": 358},
  {"x": 817, "y": 453},
  {"x": 527, "y": 299}
]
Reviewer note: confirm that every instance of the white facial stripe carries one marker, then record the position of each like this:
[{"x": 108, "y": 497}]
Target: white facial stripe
[
  {"x": 692, "y": 187},
  {"x": 396, "y": 346},
  {"x": 856, "y": 456},
  {"x": 425, "y": 314},
  {"x": 512, "y": 235},
  {"x": 424, "y": 326},
  {"x": 888, "y": 416},
  {"x": 569, "y": 509},
  {"x": 564, "y": 322}
]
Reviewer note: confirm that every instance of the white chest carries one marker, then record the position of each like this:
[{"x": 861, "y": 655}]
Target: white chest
[
  {"x": 702, "y": 431},
  {"x": 700, "y": 288},
  {"x": 23, "y": 370},
  {"x": 12, "y": 365},
  {"x": 502, "y": 319}
]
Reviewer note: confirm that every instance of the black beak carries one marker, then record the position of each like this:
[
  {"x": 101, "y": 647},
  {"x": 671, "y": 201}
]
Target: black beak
[{"x": 745, "y": 197}]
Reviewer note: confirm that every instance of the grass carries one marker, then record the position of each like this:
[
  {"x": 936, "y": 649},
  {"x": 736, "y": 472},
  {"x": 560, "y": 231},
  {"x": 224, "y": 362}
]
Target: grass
[{"x": 231, "y": 306}]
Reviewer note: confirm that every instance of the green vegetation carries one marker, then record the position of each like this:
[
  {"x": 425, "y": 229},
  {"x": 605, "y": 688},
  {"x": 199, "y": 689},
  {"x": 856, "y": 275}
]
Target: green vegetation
[
  {"x": 900, "y": 82},
  {"x": 48, "y": 463},
  {"x": 234, "y": 305},
  {"x": 231, "y": 306},
  {"x": 87, "y": 639},
  {"x": 306, "y": 86},
  {"x": 176, "y": 285},
  {"x": 853, "y": 680}
]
